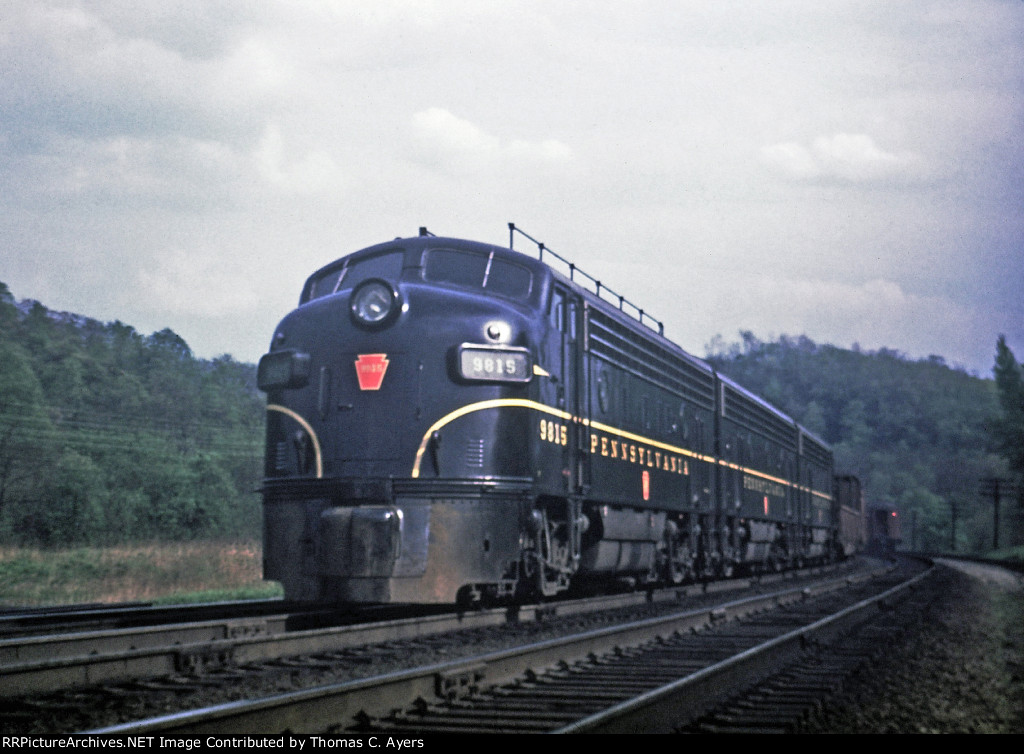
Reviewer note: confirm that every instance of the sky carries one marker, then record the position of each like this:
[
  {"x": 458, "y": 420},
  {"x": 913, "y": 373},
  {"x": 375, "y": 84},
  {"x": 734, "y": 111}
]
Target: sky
[{"x": 850, "y": 170}]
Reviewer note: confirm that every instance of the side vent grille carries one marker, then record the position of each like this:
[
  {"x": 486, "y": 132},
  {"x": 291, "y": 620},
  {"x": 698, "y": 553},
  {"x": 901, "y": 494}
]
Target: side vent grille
[
  {"x": 281, "y": 456},
  {"x": 475, "y": 453},
  {"x": 650, "y": 360}
]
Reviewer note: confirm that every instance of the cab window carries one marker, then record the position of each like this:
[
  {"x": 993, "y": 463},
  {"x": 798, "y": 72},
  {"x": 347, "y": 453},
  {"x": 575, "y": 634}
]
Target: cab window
[
  {"x": 351, "y": 272},
  {"x": 472, "y": 269},
  {"x": 455, "y": 267}
]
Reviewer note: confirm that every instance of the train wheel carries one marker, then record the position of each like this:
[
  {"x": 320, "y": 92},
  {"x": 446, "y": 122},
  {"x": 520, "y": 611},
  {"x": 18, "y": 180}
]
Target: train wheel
[
  {"x": 676, "y": 566},
  {"x": 675, "y": 572},
  {"x": 548, "y": 564}
]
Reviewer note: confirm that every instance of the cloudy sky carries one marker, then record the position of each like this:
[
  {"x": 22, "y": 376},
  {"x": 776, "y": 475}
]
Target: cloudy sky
[{"x": 849, "y": 170}]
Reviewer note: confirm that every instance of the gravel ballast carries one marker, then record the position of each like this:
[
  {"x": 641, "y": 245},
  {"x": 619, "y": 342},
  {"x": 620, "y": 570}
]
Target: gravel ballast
[{"x": 963, "y": 673}]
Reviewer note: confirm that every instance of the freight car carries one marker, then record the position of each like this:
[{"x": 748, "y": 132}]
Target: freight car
[
  {"x": 849, "y": 510},
  {"x": 456, "y": 421},
  {"x": 883, "y": 530}
]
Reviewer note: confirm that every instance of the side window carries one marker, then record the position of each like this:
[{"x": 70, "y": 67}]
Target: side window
[
  {"x": 325, "y": 284},
  {"x": 508, "y": 279}
]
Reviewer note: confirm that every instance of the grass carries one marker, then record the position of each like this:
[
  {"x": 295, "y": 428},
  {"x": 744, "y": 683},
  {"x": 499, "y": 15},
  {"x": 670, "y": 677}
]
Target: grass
[
  {"x": 164, "y": 573},
  {"x": 156, "y": 572},
  {"x": 1010, "y": 554}
]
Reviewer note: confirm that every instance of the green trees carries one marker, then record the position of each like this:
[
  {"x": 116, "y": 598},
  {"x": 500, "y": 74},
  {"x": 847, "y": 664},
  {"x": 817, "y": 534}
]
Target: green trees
[
  {"x": 23, "y": 418},
  {"x": 1009, "y": 428},
  {"x": 109, "y": 436},
  {"x": 917, "y": 433}
]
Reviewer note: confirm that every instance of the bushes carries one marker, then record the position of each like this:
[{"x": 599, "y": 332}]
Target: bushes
[
  {"x": 169, "y": 572},
  {"x": 109, "y": 437},
  {"x": 149, "y": 495}
]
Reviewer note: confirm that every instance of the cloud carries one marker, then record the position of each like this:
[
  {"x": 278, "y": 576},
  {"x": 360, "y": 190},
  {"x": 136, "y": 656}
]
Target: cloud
[
  {"x": 459, "y": 146},
  {"x": 876, "y": 313},
  {"x": 853, "y": 158},
  {"x": 314, "y": 173},
  {"x": 196, "y": 283},
  {"x": 159, "y": 140},
  {"x": 67, "y": 71},
  {"x": 128, "y": 173}
]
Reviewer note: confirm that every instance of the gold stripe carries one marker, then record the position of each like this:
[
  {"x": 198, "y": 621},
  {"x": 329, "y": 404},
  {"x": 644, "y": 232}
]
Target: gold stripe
[
  {"x": 309, "y": 430},
  {"x": 647, "y": 441},
  {"x": 481, "y": 406},
  {"x": 522, "y": 403},
  {"x": 701, "y": 457}
]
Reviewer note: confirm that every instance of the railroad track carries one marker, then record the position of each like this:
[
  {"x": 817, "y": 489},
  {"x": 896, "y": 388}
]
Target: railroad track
[
  {"x": 21, "y": 622},
  {"x": 189, "y": 641},
  {"x": 651, "y": 674}
]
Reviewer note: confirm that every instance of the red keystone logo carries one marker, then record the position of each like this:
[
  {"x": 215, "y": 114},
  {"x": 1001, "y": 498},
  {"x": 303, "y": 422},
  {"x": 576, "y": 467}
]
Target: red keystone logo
[{"x": 370, "y": 369}]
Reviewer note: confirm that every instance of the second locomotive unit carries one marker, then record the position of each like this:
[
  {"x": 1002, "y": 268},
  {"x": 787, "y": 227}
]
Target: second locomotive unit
[{"x": 456, "y": 421}]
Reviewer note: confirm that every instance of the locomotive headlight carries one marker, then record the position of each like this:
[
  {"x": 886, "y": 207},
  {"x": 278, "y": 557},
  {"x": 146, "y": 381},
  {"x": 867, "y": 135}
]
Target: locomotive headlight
[
  {"x": 374, "y": 304},
  {"x": 282, "y": 369},
  {"x": 494, "y": 363}
]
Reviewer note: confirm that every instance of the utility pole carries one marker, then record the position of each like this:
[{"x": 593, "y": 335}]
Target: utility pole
[
  {"x": 952, "y": 528},
  {"x": 995, "y": 515},
  {"x": 995, "y": 487}
]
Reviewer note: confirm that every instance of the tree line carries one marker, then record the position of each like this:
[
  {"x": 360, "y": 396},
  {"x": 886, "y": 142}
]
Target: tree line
[{"x": 109, "y": 436}]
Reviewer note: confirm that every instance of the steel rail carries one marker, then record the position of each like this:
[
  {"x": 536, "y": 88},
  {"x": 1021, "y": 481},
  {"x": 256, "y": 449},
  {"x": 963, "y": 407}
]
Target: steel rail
[
  {"x": 338, "y": 706},
  {"x": 25, "y": 621},
  {"x": 42, "y": 664},
  {"x": 661, "y": 710}
]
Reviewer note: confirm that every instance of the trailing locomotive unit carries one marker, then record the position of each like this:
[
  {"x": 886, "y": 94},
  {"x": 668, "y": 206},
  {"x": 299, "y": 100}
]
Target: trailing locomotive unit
[{"x": 450, "y": 420}]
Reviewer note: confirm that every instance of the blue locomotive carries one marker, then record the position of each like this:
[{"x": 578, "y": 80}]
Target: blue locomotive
[{"x": 452, "y": 421}]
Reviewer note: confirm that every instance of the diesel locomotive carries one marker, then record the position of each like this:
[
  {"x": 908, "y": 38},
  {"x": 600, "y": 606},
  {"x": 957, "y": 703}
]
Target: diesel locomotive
[{"x": 454, "y": 421}]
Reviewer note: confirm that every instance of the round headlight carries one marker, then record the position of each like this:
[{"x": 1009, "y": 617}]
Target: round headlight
[{"x": 374, "y": 303}]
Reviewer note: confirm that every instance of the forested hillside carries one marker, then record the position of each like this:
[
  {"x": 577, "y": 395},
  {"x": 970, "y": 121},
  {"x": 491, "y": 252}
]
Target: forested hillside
[
  {"x": 919, "y": 434},
  {"x": 110, "y": 436}
]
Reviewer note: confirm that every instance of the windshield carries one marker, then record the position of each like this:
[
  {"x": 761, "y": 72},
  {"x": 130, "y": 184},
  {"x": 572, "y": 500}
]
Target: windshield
[
  {"x": 474, "y": 269},
  {"x": 386, "y": 265}
]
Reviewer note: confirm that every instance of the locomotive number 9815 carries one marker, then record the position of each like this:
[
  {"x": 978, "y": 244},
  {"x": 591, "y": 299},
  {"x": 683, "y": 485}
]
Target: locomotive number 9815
[{"x": 457, "y": 421}]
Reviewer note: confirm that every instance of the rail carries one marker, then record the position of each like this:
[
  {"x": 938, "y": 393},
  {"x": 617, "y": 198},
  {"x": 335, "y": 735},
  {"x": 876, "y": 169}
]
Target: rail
[
  {"x": 55, "y": 662},
  {"x": 371, "y": 704},
  {"x": 600, "y": 289}
]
